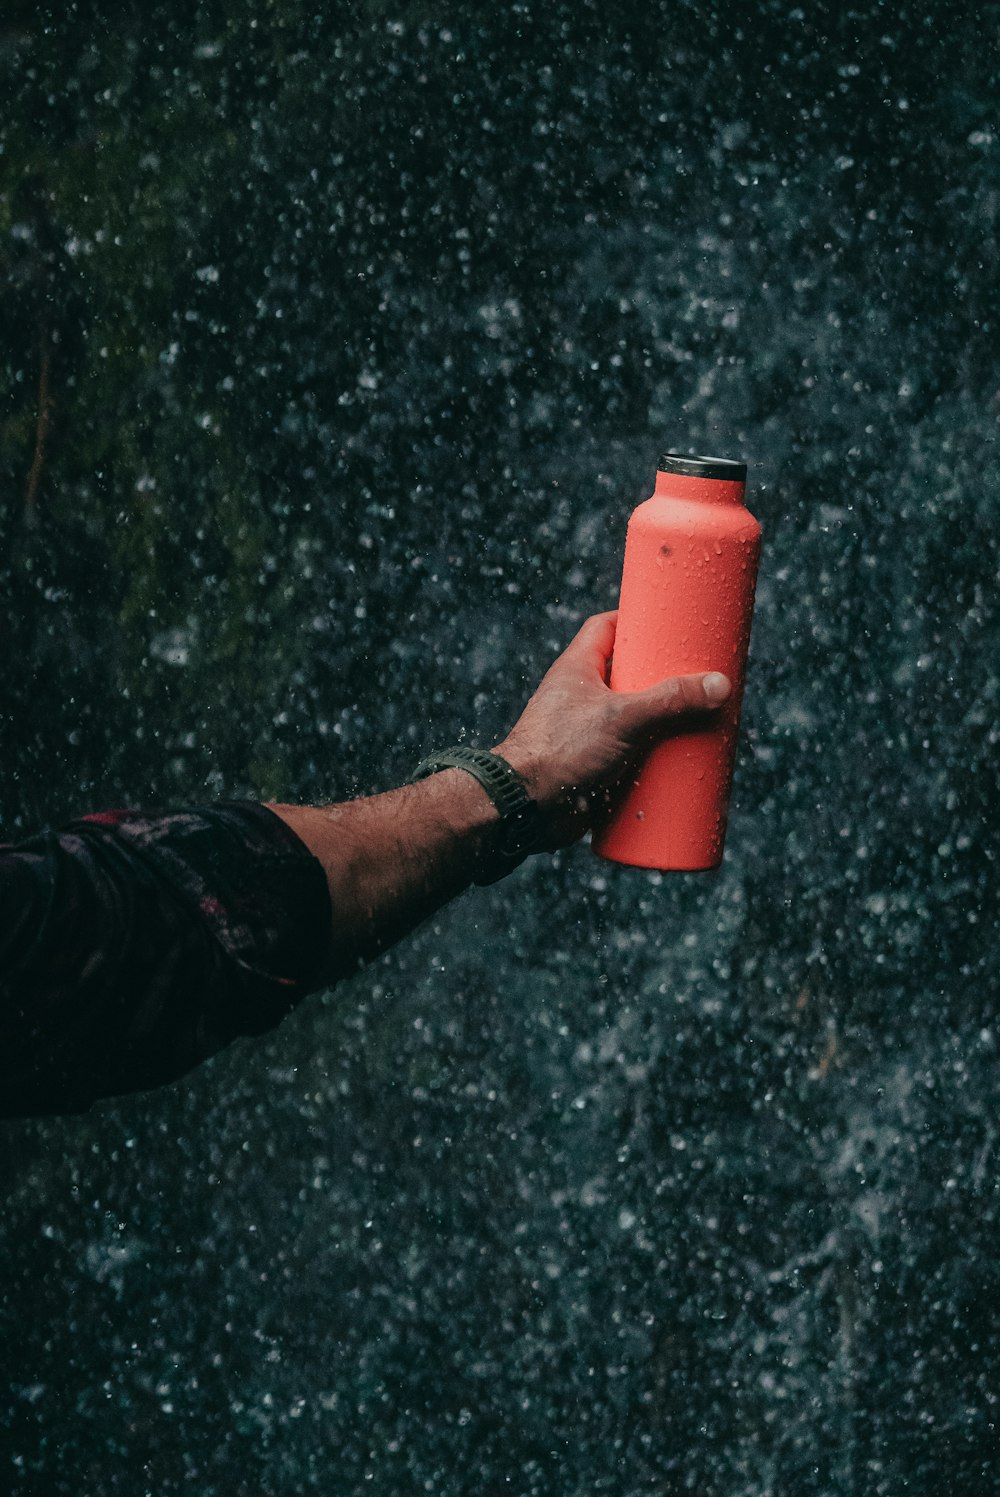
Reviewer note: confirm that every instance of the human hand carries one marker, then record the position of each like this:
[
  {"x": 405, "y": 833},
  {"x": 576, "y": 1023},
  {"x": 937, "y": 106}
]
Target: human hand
[{"x": 576, "y": 737}]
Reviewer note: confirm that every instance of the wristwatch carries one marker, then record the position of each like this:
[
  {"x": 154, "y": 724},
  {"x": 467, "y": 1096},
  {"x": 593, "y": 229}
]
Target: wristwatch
[{"x": 521, "y": 826}]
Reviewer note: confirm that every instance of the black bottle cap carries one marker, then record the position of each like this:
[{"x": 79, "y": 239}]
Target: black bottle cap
[{"x": 703, "y": 467}]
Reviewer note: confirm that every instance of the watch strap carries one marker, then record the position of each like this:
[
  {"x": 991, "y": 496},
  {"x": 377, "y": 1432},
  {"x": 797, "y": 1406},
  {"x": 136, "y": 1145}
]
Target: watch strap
[{"x": 520, "y": 825}]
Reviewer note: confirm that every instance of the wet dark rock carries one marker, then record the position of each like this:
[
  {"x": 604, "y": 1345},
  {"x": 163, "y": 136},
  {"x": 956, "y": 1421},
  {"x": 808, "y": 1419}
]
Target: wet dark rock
[{"x": 355, "y": 342}]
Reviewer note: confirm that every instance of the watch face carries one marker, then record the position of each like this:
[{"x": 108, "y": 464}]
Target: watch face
[{"x": 518, "y": 834}]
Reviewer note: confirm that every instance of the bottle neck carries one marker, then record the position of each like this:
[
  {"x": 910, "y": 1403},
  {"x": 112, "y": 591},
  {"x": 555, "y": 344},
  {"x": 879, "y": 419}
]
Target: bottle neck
[{"x": 704, "y": 490}]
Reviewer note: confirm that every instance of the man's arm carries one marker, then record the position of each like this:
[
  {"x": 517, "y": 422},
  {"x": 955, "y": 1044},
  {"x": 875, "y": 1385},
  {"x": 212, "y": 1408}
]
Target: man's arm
[
  {"x": 391, "y": 860},
  {"x": 134, "y": 945}
]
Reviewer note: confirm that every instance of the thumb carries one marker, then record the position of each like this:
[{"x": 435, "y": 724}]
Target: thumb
[{"x": 668, "y": 701}]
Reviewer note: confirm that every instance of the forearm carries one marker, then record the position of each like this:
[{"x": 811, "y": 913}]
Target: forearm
[{"x": 391, "y": 860}]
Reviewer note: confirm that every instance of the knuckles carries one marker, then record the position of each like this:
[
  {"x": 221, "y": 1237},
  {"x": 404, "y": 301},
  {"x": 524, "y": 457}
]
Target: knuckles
[{"x": 672, "y": 698}]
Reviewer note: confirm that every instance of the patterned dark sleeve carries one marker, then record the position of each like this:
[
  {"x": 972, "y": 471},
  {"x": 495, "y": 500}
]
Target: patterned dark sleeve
[{"x": 133, "y": 946}]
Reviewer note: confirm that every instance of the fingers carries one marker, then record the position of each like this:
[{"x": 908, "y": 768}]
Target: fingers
[
  {"x": 590, "y": 649},
  {"x": 679, "y": 697}
]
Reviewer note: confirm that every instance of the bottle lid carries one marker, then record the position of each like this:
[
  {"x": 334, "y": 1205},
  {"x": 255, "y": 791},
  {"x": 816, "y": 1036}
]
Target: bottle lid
[{"x": 703, "y": 467}]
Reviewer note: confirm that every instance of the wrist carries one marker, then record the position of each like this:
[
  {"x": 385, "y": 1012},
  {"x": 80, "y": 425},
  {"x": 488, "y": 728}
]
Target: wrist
[
  {"x": 543, "y": 788},
  {"x": 518, "y": 827},
  {"x": 460, "y": 803}
]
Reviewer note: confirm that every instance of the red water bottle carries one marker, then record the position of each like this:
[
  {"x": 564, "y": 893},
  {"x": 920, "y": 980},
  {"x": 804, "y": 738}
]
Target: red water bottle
[{"x": 687, "y": 592}]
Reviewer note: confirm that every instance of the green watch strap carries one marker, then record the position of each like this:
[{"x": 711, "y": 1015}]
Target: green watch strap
[{"x": 520, "y": 827}]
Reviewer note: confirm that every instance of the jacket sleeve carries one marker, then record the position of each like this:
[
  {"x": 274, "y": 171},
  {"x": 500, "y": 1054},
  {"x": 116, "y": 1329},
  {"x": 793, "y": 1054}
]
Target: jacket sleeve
[{"x": 134, "y": 945}]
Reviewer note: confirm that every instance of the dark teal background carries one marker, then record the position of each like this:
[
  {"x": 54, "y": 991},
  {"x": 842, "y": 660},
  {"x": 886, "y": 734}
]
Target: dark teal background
[{"x": 356, "y": 332}]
